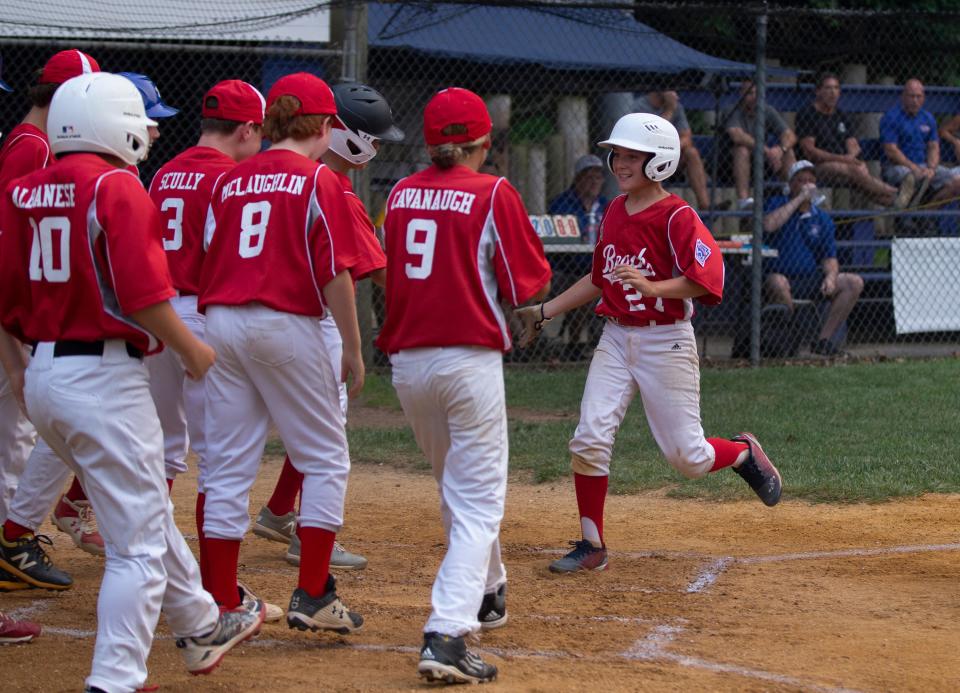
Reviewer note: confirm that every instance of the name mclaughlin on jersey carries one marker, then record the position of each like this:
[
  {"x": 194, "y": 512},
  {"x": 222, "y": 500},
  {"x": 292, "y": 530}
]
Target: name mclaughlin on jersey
[
  {"x": 56, "y": 195},
  {"x": 180, "y": 180},
  {"x": 264, "y": 183},
  {"x": 429, "y": 199}
]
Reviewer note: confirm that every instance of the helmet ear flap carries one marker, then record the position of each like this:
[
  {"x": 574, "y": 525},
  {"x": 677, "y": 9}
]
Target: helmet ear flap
[{"x": 610, "y": 161}]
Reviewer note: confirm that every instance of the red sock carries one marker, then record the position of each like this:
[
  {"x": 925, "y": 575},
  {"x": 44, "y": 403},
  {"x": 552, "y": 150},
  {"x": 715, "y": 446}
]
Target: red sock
[
  {"x": 12, "y": 531},
  {"x": 316, "y": 545},
  {"x": 223, "y": 557},
  {"x": 75, "y": 492},
  {"x": 204, "y": 552},
  {"x": 591, "y": 495},
  {"x": 169, "y": 485},
  {"x": 285, "y": 492},
  {"x": 726, "y": 451}
]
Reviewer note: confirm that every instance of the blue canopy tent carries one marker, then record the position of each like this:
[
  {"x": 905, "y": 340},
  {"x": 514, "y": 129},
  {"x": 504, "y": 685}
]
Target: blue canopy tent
[{"x": 554, "y": 38}]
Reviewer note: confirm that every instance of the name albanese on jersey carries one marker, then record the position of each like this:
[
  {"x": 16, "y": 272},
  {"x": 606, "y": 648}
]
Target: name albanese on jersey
[
  {"x": 264, "y": 183},
  {"x": 54, "y": 195},
  {"x": 436, "y": 200}
]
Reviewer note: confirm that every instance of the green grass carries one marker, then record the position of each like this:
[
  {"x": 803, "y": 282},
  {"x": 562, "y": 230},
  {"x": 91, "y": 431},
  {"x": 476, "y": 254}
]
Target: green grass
[{"x": 857, "y": 432}]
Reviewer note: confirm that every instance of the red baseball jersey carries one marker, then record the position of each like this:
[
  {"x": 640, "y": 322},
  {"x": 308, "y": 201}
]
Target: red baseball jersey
[
  {"x": 181, "y": 189},
  {"x": 665, "y": 240},
  {"x": 370, "y": 256},
  {"x": 80, "y": 251},
  {"x": 280, "y": 231},
  {"x": 25, "y": 150},
  {"x": 457, "y": 243}
]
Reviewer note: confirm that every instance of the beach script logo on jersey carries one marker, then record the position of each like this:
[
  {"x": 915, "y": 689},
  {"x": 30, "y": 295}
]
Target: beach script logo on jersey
[
  {"x": 264, "y": 183},
  {"x": 55, "y": 195},
  {"x": 430, "y": 199},
  {"x": 632, "y": 295}
]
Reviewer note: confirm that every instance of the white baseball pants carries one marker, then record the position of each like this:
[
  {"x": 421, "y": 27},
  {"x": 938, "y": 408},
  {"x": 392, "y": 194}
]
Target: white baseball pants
[
  {"x": 271, "y": 365},
  {"x": 16, "y": 441},
  {"x": 453, "y": 398},
  {"x": 179, "y": 399},
  {"x": 660, "y": 363},
  {"x": 98, "y": 415},
  {"x": 333, "y": 343},
  {"x": 40, "y": 486}
]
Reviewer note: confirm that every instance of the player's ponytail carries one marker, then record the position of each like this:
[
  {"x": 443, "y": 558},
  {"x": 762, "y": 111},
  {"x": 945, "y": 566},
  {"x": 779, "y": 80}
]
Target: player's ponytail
[
  {"x": 282, "y": 122},
  {"x": 448, "y": 155}
]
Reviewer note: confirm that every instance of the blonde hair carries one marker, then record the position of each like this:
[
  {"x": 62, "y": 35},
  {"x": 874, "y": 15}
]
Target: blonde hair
[
  {"x": 281, "y": 121},
  {"x": 449, "y": 154}
]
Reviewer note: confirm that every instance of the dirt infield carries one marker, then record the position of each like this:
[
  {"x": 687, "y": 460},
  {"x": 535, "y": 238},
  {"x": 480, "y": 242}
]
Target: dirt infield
[{"x": 699, "y": 596}]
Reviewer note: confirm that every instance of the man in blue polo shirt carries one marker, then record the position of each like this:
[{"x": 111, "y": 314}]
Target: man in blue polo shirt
[
  {"x": 911, "y": 145},
  {"x": 806, "y": 266}
]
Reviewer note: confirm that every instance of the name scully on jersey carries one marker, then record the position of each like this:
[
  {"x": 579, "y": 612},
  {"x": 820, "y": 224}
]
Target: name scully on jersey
[
  {"x": 430, "y": 199},
  {"x": 264, "y": 183},
  {"x": 57, "y": 195},
  {"x": 180, "y": 180}
]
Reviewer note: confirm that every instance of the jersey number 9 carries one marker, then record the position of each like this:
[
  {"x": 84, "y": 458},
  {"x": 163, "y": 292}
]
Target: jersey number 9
[{"x": 421, "y": 241}]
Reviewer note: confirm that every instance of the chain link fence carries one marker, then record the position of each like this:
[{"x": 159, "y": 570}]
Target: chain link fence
[{"x": 839, "y": 88}]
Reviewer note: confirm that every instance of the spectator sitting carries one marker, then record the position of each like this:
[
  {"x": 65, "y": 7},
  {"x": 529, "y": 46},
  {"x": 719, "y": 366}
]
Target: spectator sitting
[
  {"x": 740, "y": 123},
  {"x": 807, "y": 267},
  {"x": 826, "y": 139},
  {"x": 582, "y": 199},
  {"x": 666, "y": 104},
  {"x": 911, "y": 146}
]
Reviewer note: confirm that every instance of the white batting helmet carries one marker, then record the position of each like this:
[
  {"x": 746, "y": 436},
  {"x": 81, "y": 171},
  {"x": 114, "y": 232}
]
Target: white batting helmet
[
  {"x": 645, "y": 132},
  {"x": 99, "y": 112}
]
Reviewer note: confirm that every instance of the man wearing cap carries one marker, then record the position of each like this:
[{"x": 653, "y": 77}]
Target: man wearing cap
[
  {"x": 806, "y": 266},
  {"x": 584, "y": 200},
  {"x": 25, "y": 150}
]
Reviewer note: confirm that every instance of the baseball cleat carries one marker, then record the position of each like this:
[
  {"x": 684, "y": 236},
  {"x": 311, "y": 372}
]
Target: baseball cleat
[
  {"x": 758, "y": 471},
  {"x": 204, "y": 653},
  {"x": 26, "y": 560},
  {"x": 493, "y": 609},
  {"x": 77, "y": 519},
  {"x": 325, "y": 612},
  {"x": 14, "y": 631},
  {"x": 271, "y": 612},
  {"x": 446, "y": 658},
  {"x": 340, "y": 558},
  {"x": 585, "y": 556},
  {"x": 11, "y": 583},
  {"x": 282, "y": 528}
]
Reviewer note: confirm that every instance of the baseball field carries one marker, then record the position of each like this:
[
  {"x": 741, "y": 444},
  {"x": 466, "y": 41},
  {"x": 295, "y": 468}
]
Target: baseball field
[{"x": 850, "y": 584}]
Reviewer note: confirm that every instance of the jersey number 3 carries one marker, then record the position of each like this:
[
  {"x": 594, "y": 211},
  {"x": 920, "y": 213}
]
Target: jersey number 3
[
  {"x": 50, "y": 252},
  {"x": 421, "y": 242}
]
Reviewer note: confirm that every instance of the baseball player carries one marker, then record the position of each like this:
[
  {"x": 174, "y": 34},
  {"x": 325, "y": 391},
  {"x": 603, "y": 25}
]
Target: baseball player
[
  {"x": 85, "y": 280},
  {"x": 11, "y": 630},
  {"x": 367, "y": 120},
  {"x": 230, "y": 131},
  {"x": 653, "y": 257},
  {"x": 458, "y": 242},
  {"x": 280, "y": 242},
  {"x": 46, "y": 473},
  {"x": 30, "y": 491}
]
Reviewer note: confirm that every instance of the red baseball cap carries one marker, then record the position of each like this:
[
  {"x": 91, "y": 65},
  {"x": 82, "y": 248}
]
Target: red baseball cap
[
  {"x": 455, "y": 115},
  {"x": 67, "y": 64},
  {"x": 316, "y": 98},
  {"x": 234, "y": 99}
]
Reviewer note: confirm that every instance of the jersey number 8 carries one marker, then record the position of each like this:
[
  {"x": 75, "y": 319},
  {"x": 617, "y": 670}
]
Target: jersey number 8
[
  {"x": 253, "y": 228},
  {"x": 44, "y": 263}
]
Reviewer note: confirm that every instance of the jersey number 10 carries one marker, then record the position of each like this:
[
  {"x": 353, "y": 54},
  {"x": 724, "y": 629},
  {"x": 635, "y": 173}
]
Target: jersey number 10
[{"x": 49, "y": 258}]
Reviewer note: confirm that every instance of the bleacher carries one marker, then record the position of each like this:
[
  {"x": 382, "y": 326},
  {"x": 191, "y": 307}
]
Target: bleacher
[{"x": 861, "y": 249}]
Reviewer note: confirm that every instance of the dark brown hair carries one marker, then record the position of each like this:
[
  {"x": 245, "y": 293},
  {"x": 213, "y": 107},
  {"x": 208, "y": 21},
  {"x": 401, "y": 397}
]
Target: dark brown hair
[
  {"x": 41, "y": 94},
  {"x": 824, "y": 76},
  {"x": 281, "y": 122}
]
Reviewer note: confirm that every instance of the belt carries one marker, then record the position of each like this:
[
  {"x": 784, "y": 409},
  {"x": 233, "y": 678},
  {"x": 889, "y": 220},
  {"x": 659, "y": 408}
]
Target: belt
[
  {"x": 643, "y": 323},
  {"x": 181, "y": 294},
  {"x": 72, "y": 347}
]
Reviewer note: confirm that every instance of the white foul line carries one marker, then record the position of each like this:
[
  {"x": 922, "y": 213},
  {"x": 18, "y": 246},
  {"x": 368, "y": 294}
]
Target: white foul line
[
  {"x": 707, "y": 576},
  {"x": 651, "y": 648}
]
